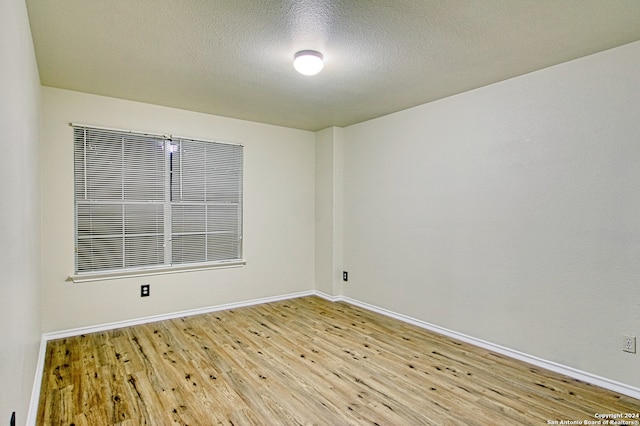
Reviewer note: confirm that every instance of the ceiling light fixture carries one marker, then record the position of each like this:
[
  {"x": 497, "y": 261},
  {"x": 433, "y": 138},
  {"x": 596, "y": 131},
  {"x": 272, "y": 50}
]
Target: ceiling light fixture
[{"x": 308, "y": 62}]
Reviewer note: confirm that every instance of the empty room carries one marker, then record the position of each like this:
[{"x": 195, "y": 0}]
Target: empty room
[{"x": 320, "y": 212}]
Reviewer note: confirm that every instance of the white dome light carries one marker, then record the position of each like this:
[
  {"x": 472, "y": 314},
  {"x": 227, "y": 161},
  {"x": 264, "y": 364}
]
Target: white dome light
[{"x": 308, "y": 62}]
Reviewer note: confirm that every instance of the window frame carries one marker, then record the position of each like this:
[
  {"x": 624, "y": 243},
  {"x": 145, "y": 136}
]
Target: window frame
[{"x": 232, "y": 178}]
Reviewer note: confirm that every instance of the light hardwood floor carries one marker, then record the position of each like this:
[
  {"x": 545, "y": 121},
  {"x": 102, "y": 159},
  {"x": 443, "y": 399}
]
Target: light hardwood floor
[{"x": 298, "y": 362}]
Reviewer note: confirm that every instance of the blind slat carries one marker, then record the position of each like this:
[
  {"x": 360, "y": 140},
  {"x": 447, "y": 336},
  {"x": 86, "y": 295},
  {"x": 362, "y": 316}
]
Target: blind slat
[
  {"x": 137, "y": 194},
  {"x": 206, "y": 191}
]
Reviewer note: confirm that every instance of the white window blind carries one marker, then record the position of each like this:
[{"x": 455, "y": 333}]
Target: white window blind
[
  {"x": 147, "y": 201},
  {"x": 206, "y": 201}
]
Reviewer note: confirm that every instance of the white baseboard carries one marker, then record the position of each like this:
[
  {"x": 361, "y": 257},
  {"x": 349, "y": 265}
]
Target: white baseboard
[
  {"x": 162, "y": 317},
  {"x": 574, "y": 373},
  {"x": 37, "y": 384},
  {"x": 329, "y": 297},
  {"x": 539, "y": 362}
]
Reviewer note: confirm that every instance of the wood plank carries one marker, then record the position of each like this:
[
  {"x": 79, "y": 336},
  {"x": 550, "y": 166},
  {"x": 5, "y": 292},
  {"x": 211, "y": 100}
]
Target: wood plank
[{"x": 301, "y": 361}]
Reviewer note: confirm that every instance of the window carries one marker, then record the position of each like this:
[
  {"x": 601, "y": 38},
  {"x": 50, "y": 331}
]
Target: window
[{"x": 149, "y": 201}]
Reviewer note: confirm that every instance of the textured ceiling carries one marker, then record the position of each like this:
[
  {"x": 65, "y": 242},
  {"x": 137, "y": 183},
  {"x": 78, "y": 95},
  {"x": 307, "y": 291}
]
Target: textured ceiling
[{"x": 234, "y": 58}]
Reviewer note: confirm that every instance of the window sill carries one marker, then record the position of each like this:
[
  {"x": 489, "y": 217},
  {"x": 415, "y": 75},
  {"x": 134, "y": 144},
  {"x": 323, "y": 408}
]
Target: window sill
[{"x": 82, "y": 278}]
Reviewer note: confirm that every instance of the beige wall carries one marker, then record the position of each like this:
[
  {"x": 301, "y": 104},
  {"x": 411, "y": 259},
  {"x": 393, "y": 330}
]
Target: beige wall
[
  {"x": 324, "y": 211},
  {"x": 328, "y": 214},
  {"x": 19, "y": 210},
  {"x": 510, "y": 213},
  {"x": 278, "y": 214}
]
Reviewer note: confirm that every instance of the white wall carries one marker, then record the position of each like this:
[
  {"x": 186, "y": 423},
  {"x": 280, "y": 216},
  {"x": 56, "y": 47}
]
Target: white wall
[
  {"x": 278, "y": 214},
  {"x": 510, "y": 213},
  {"x": 19, "y": 209}
]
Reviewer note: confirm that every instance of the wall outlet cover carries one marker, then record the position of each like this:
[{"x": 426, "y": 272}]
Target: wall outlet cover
[
  {"x": 144, "y": 290},
  {"x": 629, "y": 344}
]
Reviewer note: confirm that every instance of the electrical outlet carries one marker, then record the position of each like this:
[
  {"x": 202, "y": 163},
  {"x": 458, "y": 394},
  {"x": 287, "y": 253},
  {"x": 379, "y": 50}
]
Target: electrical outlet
[
  {"x": 345, "y": 276},
  {"x": 629, "y": 344},
  {"x": 144, "y": 290}
]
